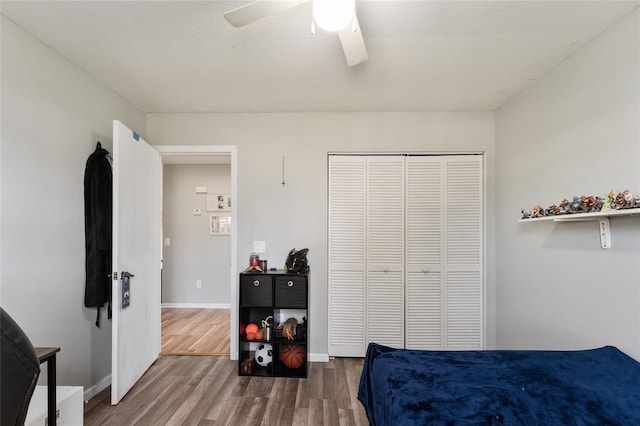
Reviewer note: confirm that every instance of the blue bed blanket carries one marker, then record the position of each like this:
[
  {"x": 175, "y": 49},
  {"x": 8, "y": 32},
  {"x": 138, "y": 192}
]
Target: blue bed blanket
[{"x": 411, "y": 387}]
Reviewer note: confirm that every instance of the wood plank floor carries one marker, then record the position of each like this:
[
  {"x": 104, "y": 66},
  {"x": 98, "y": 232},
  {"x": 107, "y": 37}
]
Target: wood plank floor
[
  {"x": 195, "y": 331},
  {"x": 186, "y": 390}
]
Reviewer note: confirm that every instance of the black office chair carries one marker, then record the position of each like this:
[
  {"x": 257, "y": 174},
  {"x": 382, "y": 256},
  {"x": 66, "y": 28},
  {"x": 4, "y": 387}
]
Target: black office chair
[{"x": 19, "y": 371}]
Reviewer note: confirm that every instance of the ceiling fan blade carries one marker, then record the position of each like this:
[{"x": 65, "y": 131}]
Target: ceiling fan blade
[
  {"x": 353, "y": 44},
  {"x": 259, "y": 9}
]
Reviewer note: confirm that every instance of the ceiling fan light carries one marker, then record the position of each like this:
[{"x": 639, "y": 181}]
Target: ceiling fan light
[{"x": 333, "y": 15}]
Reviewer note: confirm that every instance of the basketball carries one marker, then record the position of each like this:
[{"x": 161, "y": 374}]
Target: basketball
[{"x": 292, "y": 356}]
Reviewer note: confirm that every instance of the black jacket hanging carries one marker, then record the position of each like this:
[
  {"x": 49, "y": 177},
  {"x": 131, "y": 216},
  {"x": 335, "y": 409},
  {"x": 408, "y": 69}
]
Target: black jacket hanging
[{"x": 98, "y": 201}]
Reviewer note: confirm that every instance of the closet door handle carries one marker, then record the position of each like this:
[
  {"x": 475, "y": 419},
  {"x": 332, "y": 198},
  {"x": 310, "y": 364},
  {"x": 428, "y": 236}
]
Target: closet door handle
[
  {"x": 256, "y": 283},
  {"x": 385, "y": 270},
  {"x": 289, "y": 283},
  {"x": 425, "y": 270}
]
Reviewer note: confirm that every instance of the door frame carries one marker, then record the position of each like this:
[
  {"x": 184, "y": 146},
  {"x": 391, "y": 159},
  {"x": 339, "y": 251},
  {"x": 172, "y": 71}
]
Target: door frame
[{"x": 216, "y": 150}]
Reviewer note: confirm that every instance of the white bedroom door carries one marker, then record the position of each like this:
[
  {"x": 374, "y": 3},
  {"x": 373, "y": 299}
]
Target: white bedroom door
[{"x": 136, "y": 251}]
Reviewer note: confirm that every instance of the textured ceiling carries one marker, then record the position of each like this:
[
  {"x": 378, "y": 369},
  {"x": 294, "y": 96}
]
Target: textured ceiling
[{"x": 182, "y": 56}]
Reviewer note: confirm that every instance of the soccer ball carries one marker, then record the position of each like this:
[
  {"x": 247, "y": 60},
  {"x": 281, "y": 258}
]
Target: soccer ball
[{"x": 264, "y": 355}]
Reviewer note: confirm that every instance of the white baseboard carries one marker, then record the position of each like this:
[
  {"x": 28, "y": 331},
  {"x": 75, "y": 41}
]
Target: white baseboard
[
  {"x": 319, "y": 357},
  {"x": 97, "y": 388},
  {"x": 197, "y": 305}
]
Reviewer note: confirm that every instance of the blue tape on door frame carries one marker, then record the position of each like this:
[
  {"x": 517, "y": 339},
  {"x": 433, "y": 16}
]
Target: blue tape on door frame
[{"x": 136, "y": 136}]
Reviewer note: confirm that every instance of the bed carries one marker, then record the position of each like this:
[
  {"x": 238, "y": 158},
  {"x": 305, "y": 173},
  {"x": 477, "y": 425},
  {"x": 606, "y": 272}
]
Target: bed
[{"x": 411, "y": 387}]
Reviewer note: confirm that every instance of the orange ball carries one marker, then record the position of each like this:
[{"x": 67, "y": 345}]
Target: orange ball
[
  {"x": 259, "y": 335},
  {"x": 251, "y": 336},
  {"x": 251, "y": 328}
]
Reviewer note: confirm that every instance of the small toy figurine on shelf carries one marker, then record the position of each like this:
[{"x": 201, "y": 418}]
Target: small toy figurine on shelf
[
  {"x": 537, "y": 211},
  {"x": 563, "y": 208},
  {"x": 590, "y": 203},
  {"x": 606, "y": 202},
  {"x": 289, "y": 328},
  {"x": 574, "y": 207},
  {"x": 619, "y": 201}
]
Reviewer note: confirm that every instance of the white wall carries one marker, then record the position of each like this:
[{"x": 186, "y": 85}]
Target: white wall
[
  {"x": 193, "y": 253},
  {"x": 53, "y": 114},
  {"x": 575, "y": 132},
  {"x": 296, "y": 215}
]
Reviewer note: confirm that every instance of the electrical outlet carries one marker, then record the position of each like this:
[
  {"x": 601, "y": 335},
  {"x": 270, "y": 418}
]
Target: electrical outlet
[
  {"x": 197, "y": 212},
  {"x": 198, "y": 283}
]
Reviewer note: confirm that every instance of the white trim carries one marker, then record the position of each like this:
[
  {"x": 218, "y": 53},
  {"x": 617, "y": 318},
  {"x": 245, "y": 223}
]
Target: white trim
[
  {"x": 485, "y": 252},
  {"x": 168, "y": 150},
  {"x": 197, "y": 305},
  {"x": 407, "y": 153},
  {"x": 318, "y": 357},
  {"x": 97, "y": 388}
]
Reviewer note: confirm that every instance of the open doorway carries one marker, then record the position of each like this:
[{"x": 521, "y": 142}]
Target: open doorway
[
  {"x": 198, "y": 283},
  {"x": 195, "y": 331}
]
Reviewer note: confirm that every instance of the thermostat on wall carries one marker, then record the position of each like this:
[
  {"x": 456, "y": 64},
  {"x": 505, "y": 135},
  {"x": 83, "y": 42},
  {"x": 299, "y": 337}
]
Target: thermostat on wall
[{"x": 201, "y": 189}]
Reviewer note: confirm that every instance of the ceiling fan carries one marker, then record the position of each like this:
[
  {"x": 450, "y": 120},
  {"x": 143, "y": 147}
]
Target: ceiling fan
[{"x": 342, "y": 20}]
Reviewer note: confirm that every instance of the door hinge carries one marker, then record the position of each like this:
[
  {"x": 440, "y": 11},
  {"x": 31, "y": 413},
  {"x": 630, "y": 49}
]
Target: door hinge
[{"x": 115, "y": 276}]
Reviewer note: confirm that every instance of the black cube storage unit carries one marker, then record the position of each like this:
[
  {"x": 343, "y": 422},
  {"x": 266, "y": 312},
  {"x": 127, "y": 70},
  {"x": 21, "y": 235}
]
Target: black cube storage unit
[{"x": 282, "y": 296}]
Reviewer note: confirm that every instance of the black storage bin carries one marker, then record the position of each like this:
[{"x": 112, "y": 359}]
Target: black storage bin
[
  {"x": 291, "y": 292},
  {"x": 256, "y": 290}
]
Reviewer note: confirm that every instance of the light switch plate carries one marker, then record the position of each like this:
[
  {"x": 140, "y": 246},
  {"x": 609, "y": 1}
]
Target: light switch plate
[{"x": 259, "y": 246}]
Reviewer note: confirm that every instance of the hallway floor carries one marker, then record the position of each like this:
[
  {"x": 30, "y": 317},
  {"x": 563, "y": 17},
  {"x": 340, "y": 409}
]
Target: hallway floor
[{"x": 195, "y": 331}]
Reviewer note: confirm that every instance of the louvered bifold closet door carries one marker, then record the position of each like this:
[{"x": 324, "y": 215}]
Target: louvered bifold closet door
[
  {"x": 385, "y": 250},
  {"x": 424, "y": 285},
  {"x": 347, "y": 218},
  {"x": 463, "y": 247}
]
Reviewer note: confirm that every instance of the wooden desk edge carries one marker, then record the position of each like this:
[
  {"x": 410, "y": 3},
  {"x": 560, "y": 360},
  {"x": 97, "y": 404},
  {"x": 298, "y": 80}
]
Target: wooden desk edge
[{"x": 44, "y": 354}]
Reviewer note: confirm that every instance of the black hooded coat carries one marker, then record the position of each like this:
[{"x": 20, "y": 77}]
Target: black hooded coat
[{"x": 98, "y": 202}]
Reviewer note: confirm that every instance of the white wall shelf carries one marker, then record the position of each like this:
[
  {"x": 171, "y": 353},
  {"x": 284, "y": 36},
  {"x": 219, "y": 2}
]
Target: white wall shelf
[{"x": 601, "y": 217}]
